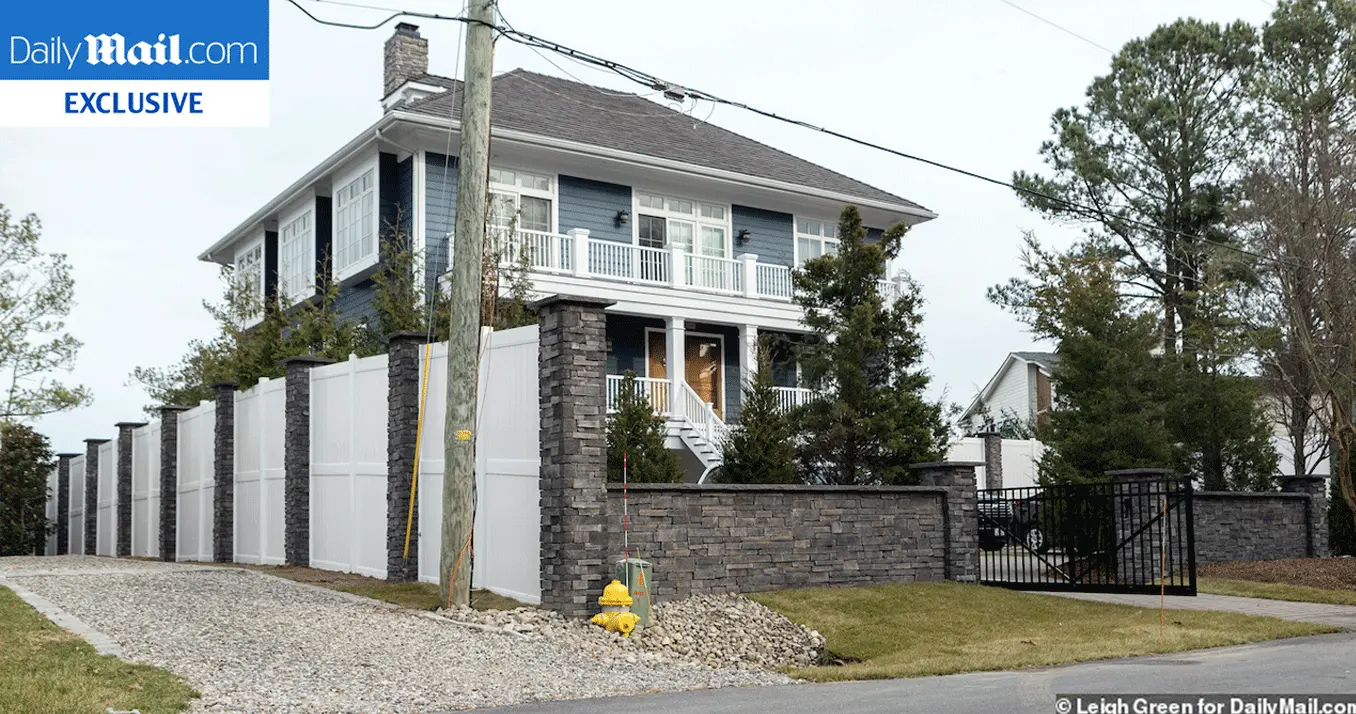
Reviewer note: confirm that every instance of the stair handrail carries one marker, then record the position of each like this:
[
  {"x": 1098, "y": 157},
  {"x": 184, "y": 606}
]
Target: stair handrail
[{"x": 701, "y": 415}]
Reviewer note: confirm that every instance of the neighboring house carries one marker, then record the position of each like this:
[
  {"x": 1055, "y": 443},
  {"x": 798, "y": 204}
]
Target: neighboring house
[
  {"x": 692, "y": 230},
  {"x": 1021, "y": 390}
]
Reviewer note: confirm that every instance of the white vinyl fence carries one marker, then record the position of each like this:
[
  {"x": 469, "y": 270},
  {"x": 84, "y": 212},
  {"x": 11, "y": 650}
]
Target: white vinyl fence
[
  {"x": 1020, "y": 457},
  {"x": 50, "y": 547},
  {"x": 259, "y": 433},
  {"x": 77, "y": 523},
  {"x": 106, "y": 528},
  {"x": 507, "y": 542},
  {"x": 146, "y": 490},
  {"x": 193, "y": 526},
  {"x": 348, "y": 466}
]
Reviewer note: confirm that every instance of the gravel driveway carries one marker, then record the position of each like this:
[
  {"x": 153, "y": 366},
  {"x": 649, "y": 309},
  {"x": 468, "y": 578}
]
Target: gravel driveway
[{"x": 255, "y": 643}]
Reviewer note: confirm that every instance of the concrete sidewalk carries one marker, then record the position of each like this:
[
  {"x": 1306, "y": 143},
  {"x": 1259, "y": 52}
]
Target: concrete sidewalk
[{"x": 1343, "y": 616}]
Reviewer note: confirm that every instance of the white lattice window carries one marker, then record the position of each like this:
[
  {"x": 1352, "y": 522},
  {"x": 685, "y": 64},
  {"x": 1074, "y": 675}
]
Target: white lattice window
[
  {"x": 296, "y": 258},
  {"x": 815, "y": 239},
  {"x": 249, "y": 280},
  {"x": 355, "y": 225},
  {"x": 693, "y": 226},
  {"x": 527, "y": 197}
]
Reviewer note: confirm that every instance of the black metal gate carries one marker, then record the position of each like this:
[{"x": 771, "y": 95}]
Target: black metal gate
[{"x": 1130, "y": 536}]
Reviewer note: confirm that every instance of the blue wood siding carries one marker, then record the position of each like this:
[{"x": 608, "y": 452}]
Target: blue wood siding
[
  {"x": 626, "y": 335},
  {"x": 357, "y": 303},
  {"x": 594, "y": 205},
  {"x": 771, "y": 234},
  {"x": 270, "y": 267},
  {"x": 324, "y": 239},
  {"x": 395, "y": 193},
  {"x": 440, "y": 211}
]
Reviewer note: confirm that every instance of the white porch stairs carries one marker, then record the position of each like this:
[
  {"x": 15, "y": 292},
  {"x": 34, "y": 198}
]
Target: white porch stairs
[{"x": 694, "y": 424}]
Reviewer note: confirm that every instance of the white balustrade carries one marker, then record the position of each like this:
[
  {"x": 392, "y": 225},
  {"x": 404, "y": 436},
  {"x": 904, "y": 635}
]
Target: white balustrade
[
  {"x": 656, "y": 390},
  {"x": 789, "y": 398},
  {"x": 703, "y": 417},
  {"x": 774, "y": 281},
  {"x": 707, "y": 273}
]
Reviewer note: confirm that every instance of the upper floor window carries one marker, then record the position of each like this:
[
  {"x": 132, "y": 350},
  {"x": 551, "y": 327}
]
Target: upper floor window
[
  {"x": 249, "y": 281},
  {"x": 695, "y": 227},
  {"x": 355, "y": 225},
  {"x": 815, "y": 239},
  {"x": 296, "y": 258},
  {"x": 521, "y": 200}
]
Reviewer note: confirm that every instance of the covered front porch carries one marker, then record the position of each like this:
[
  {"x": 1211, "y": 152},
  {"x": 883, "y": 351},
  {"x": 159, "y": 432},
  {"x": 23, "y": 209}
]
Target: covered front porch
[{"x": 693, "y": 373}]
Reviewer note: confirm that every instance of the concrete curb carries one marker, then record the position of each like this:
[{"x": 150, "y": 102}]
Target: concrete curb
[{"x": 103, "y": 644}]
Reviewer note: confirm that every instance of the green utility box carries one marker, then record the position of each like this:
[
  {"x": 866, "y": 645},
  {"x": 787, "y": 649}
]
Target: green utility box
[{"x": 636, "y": 574}]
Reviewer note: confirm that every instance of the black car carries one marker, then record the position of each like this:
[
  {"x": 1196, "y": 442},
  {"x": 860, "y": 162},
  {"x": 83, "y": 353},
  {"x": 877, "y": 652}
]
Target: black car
[{"x": 1003, "y": 520}]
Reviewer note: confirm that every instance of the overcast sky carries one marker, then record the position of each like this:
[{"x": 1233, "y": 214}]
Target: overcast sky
[{"x": 966, "y": 82}]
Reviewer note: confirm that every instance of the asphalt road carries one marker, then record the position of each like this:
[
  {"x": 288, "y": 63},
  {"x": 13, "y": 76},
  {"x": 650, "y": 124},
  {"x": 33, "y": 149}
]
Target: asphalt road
[{"x": 1309, "y": 665}]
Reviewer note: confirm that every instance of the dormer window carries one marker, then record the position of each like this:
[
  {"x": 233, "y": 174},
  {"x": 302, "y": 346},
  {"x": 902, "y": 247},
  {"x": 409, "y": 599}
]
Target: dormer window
[{"x": 815, "y": 239}]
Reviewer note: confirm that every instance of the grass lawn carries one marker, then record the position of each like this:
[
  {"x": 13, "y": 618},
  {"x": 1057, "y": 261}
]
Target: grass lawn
[
  {"x": 45, "y": 669},
  {"x": 1275, "y": 591},
  {"x": 419, "y": 596},
  {"x": 921, "y": 629}
]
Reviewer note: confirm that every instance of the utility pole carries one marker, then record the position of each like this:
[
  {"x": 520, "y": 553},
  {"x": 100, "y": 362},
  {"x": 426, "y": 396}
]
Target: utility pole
[{"x": 463, "y": 351}]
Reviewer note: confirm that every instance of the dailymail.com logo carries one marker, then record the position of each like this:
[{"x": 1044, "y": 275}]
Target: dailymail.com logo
[{"x": 149, "y": 63}]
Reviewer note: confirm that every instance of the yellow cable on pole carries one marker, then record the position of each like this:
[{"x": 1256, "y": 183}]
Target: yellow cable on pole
[{"x": 418, "y": 437}]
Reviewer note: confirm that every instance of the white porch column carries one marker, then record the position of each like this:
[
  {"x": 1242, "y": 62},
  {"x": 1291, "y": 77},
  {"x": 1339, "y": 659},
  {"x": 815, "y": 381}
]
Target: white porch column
[
  {"x": 749, "y": 265},
  {"x": 676, "y": 343},
  {"x": 677, "y": 269},
  {"x": 748, "y": 351},
  {"x": 579, "y": 251}
]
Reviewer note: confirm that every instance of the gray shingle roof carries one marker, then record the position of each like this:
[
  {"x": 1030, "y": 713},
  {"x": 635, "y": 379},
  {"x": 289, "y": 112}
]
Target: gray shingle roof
[
  {"x": 1045, "y": 359},
  {"x": 558, "y": 108}
]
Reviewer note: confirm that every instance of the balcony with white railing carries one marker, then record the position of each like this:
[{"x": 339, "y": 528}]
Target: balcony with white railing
[
  {"x": 578, "y": 255},
  {"x": 655, "y": 390}
]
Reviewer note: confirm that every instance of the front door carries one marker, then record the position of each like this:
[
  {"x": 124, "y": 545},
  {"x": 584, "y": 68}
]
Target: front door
[{"x": 703, "y": 362}]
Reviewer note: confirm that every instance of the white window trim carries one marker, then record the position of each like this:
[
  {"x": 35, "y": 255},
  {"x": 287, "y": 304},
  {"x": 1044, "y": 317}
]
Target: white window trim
[
  {"x": 248, "y": 247},
  {"x": 343, "y": 179},
  {"x": 796, "y": 235},
  {"x": 696, "y": 218},
  {"x": 553, "y": 195},
  {"x": 297, "y": 293}
]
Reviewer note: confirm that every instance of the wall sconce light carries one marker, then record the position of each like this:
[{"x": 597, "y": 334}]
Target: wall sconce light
[
  {"x": 743, "y": 236},
  {"x": 623, "y": 217}
]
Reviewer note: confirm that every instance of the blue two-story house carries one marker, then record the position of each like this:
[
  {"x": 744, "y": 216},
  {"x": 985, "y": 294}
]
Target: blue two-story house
[{"x": 692, "y": 230}]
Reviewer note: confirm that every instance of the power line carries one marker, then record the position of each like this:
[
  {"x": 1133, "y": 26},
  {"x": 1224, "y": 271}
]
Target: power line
[
  {"x": 676, "y": 90},
  {"x": 1059, "y": 27}
]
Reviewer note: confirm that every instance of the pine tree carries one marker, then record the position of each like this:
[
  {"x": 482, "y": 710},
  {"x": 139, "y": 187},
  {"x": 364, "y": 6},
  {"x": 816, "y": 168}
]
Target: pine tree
[
  {"x": 871, "y": 421},
  {"x": 636, "y": 432},
  {"x": 25, "y": 462},
  {"x": 1109, "y": 410},
  {"x": 762, "y": 448}
]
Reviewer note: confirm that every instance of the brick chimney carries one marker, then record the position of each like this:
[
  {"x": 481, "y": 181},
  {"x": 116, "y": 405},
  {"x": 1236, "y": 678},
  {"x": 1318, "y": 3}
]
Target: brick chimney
[{"x": 406, "y": 57}]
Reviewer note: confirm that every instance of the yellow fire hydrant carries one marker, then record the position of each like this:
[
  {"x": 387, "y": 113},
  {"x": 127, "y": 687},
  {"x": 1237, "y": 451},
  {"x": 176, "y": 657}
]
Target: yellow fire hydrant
[{"x": 616, "y": 615}]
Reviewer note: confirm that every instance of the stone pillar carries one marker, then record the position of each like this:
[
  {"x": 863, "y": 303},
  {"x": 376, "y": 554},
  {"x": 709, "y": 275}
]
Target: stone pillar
[
  {"x": 169, "y": 480},
  {"x": 223, "y": 475},
  {"x": 675, "y": 346},
  {"x": 64, "y": 503},
  {"x": 404, "y": 371},
  {"x": 124, "y": 541},
  {"x": 1138, "y": 495},
  {"x": 92, "y": 495},
  {"x": 572, "y": 361},
  {"x": 993, "y": 459},
  {"x": 960, "y": 514},
  {"x": 1316, "y": 487},
  {"x": 297, "y": 460}
]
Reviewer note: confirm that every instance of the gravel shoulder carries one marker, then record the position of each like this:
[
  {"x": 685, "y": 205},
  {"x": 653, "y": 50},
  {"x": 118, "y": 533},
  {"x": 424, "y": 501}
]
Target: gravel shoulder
[{"x": 255, "y": 643}]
